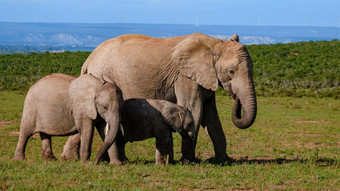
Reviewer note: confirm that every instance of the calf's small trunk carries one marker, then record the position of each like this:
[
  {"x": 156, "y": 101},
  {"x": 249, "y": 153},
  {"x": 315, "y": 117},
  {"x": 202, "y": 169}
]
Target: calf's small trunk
[{"x": 112, "y": 130}]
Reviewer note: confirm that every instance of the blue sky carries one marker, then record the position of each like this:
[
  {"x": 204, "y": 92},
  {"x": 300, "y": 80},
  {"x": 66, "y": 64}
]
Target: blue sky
[{"x": 202, "y": 12}]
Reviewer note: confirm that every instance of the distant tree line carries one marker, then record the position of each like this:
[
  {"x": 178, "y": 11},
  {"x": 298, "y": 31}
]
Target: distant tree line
[{"x": 296, "y": 69}]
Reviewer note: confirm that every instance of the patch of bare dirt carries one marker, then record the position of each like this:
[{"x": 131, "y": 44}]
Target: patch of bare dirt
[
  {"x": 159, "y": 182},
  {"x": 205, "y": 155},
  {"x": 246, "y": 157},
  {"x": 4, "y": 123},
  {"x": 307, "y": 134},
  {"x": 309, "y": 121},
  {"x": 311, "y": 145},
  {"x": 16, "y": 133}
]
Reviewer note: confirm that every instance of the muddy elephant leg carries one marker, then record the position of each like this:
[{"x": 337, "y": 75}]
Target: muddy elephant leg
[
  {"x": 46, "y": 147},
  {"x": 211, "y": 121},
  {"x": 71, "y": 148},
  {"x": 21, "y": 146}
]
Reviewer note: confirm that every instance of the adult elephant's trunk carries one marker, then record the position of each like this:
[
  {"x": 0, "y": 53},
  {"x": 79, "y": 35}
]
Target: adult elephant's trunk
[
  {"x": 245, "y": 108},
  {"x": 111, "y": 130}
]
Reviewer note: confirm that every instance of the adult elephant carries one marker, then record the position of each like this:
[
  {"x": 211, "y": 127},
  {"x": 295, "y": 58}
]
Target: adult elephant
[{"x": 186, "y": 70}]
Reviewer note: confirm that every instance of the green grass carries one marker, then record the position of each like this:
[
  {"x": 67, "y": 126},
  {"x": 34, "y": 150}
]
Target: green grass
[{"x": 293, "y": 145}]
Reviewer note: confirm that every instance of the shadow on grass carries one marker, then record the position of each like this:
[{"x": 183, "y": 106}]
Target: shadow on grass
[
  {"x": 268, "y": 160},
  {"x": 245, "y": 160}
]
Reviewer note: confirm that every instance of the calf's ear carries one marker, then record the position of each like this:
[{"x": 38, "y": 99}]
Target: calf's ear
[
  {"x": 82, "y": 95},
  {"x": 174, "y": 117}
]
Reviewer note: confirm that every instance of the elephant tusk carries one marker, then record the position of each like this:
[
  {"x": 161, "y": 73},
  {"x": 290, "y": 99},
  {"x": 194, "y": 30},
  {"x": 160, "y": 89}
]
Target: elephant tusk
[
  {"x": 122, "y": 129},
  {"x": 106, "y": 128}
]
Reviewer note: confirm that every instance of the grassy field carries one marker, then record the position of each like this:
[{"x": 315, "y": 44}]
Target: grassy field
[{"x": 293, "y": 145}]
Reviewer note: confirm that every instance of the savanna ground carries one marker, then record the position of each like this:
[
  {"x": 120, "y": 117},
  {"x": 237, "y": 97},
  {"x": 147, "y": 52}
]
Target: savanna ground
[{"x": 294, "y": 144}]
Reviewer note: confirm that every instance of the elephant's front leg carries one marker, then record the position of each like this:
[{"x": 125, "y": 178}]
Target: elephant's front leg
[
  {"x": 86, "y": 137},
  {"x": 115, "y": 154},
  {"x": 170, "y": 154},
  {"x": 190, "y": 95},
  {"x": 164, "y": 149},
  {"x": 121, "y": 150},
  {"x": 159, "y": 155},
  {"x": 211, "y": 121},
  {"x": 112, "y": 155}
]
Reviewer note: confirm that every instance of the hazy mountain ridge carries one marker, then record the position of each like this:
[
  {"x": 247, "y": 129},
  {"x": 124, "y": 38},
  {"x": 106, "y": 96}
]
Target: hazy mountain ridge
[
  {"x": 61, "y": 36},
  {"x": 62, "y": 39}
]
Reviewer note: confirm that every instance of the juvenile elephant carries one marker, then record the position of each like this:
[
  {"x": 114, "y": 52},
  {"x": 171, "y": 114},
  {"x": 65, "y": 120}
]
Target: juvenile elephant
[
  {"x": 60, "y": 105},
  {"x": 146, "y": 118}
]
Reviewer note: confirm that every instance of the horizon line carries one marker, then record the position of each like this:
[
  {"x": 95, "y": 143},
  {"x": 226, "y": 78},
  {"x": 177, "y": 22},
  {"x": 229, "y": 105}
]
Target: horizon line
[{"x": 34, "y": 22}]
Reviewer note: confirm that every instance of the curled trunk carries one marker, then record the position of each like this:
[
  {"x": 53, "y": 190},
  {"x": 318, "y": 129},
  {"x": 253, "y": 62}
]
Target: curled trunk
[{"x": 247, "y": 104}]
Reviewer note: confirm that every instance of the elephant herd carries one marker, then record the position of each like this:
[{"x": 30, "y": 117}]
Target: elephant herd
[{"x": 134, "y": 87}]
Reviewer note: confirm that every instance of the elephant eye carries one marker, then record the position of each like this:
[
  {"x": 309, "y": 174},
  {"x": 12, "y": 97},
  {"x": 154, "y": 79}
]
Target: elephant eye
[{"x": 231, "y": 72}]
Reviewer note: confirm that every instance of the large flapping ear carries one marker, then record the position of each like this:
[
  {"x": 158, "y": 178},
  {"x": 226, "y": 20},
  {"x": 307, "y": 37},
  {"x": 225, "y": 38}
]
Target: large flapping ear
[
  {"x": 174, "y": 117},
  {"x": 194, "y": 59},
  {"x": 235, "y": 38},
  {"x": 82, "y": 93}
]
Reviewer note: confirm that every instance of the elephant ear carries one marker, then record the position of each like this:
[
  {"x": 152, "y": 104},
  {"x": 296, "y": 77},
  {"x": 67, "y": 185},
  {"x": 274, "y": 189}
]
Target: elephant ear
[
  {"x": 235, "y": 38},
  {"x": 82, "y": 94},
  {"x": 194, "y": 59},
  {"x": 173, "y": 117}
]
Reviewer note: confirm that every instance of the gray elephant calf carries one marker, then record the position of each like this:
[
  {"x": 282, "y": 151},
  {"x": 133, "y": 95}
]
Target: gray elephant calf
[
  {"x": 146, "y": 118},
  {"x": 60, "y": 105}
]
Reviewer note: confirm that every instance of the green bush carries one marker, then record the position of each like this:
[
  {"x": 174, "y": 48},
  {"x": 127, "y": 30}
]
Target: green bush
[
  {"x": 20, "y": 71},
  {"x": 310, "y": 69}
]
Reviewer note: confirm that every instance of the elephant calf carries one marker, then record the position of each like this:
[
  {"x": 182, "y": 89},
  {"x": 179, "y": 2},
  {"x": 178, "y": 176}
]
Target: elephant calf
[
  {"x": 146, "y": 118},
  {"x": 60, "y": 105}
]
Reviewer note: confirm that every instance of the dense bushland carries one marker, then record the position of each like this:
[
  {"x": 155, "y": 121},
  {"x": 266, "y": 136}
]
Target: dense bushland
[
  {"x": 20, "y": 71},
  {"x": 296, "y": 69}
]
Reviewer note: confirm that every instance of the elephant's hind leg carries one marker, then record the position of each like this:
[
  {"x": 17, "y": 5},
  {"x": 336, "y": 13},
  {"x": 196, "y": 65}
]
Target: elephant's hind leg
[
  {"x": 71, "y": 148},
  {"x": 46, "y": 147},
  {"x": 21, "y": 146}
]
